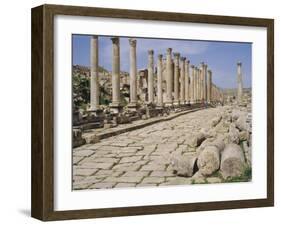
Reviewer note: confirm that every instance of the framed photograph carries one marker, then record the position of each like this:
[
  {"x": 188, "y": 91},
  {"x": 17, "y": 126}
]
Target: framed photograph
[{"x": 142, "y": 112}]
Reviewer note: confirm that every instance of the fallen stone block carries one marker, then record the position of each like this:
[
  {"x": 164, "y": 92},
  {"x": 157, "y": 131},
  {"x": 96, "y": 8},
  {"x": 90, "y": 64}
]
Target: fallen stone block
[
  {"x": 184, "y": 165},
  {"x": 209, "y": 160},
  {"x": 232, "y": 161}
]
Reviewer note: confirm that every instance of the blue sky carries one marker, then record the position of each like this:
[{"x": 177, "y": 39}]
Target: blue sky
[{"x": 221, "y": 57}]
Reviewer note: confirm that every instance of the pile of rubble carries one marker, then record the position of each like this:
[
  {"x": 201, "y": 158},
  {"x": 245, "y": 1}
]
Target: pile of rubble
[{"x": 223, "y": 146}]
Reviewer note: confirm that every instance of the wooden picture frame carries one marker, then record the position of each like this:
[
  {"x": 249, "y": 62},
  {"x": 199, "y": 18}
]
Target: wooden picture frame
[{"x": 43, "y": 120}]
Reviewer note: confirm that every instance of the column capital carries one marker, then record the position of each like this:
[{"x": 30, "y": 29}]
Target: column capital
[
  {"x": 187, "y": 61},
  {"x": 115, "y": 40},
  {"x": 192, "y": 66},
  {"x": 94, "y": 36},
  {"x": 169, "y": 50},
  {"x": 239, "y": 63},
  {"x": 176, "y": 55},
  {"x": 150, "y": 51},
  {"x": 160, "y": 56},
  {"x": 133, "y": 42},
  {"x": 183, "y": 58}
]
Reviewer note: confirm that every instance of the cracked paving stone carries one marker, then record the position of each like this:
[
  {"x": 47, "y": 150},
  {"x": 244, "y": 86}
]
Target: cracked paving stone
[
  {"x": 83, "y": 153},
  {"x": 153, "y": 180},
  {"x": 125, "y": 185},
  {"x": 77, "y": 159},
  {"x": 98, "y": 165},
  {"x": 101, "y": 159},
  {"x": 124, "y": 179},
  {"x": 178, "y": 181},
  {"x": 130, "y": 159},
  {"x": 109, "y": 173},
  {"x": 127, "y": 167},
  {"x": 136, "y": 174},
  {"x": 152, "y": 167},
  {"x": 158, "y": 173},
  {"x": 102, "y": 185},
  {"x": 83, "y": 172}
]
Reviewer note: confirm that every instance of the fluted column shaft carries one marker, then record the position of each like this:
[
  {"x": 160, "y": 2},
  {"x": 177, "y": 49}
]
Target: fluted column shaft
[
  {"x": 169, "y": 77},
  {"x": 239, "y": 82},
  {"x": 159, "y": 81},
  {"x": 115, "y": 72},
  {"x": 176, "y": 78},
  {"x": 187, "y": 86},
  {"x": 209, "y": 86},
  {"x": 192, "y": 85},
  {"x": 94, "y": 88},
  {"x": 150, "y": 76},
  {"x": 133, "y": 72},
  {"x": 182, "y": 80}
]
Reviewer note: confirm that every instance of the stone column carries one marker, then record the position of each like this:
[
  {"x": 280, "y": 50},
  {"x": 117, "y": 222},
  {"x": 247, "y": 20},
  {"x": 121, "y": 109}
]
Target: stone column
[
  {"x": 159, "y": 81},
  {"x": 186, "y": 81},
  {"x": 239, "y": 83},
  {"x": 133, "y": 74},
  {"x": 150, "y": 76},
  {"x": 202, "y": 82},
  {"x": 196, "y": 85},
  {"x": 94, "y": 98},
  {"x": 182, "y": 80},
  {"x": 205, "y": 82},
  {"x": 192, "y": 85},
  {"x": 169, "y": 77},
  {"x": 176, "y": 78},
  {"x": 209, "y": 87},
  {"x": 116, "y": 103}
]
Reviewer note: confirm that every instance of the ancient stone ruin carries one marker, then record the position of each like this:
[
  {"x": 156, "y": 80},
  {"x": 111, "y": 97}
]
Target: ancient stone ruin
[{"x": 166, "y": 124}]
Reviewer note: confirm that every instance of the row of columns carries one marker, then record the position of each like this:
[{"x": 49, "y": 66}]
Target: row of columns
[{"x": 188, "y": 88}]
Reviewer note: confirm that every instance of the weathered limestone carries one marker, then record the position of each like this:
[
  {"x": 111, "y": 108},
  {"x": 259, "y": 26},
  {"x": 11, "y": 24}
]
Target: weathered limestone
[
  {"x": 205, "y": 82},
  {"x": 116, "y": 102},
  {"x": 169, "y": 77},
  {"x": 184, "y": 165},
  {"x": 150, "y": 75},
  {"x": 209, "y": 160},
  {"x": 182, "y": 80},
  {"x": 192, "y": 85},
  {"x": 232, "y": 161},
  {"x": 197, "y": 85},
  {"x": 133, "y": 74},
  {"x": 187, "y": 85},
  {"x": 209, "y": 86},
  {"x": 94, "y": 87},
  {"x": 176, "y": 78},
  {"x": 159, "y": 81},
  {"x": 239, "y": 83}
]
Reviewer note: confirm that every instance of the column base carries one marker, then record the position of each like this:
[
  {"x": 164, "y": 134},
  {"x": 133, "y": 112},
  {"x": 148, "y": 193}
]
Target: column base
[
  {"x": 132, "y": 106},
  {"x": 176, "y": 103},
  {"x": 116, "y": 107},
  {"x": 96, "y": 112},
  {"x": 168, "y": 104}
]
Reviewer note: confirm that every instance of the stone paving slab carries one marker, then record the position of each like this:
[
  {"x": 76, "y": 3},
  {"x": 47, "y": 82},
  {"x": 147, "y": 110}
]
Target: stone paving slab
[{"x": 141, "y": 157}]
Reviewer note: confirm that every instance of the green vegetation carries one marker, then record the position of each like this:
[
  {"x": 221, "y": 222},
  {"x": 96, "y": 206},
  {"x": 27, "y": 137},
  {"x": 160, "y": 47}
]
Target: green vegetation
[{"x": 244, "y": 177}]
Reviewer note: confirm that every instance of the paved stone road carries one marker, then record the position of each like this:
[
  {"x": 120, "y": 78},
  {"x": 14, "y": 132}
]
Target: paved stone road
[{"x": 140, "y": 157}]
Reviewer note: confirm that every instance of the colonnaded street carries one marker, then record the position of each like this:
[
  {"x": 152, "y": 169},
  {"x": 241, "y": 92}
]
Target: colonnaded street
[{"x": 141, "y": 157}]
